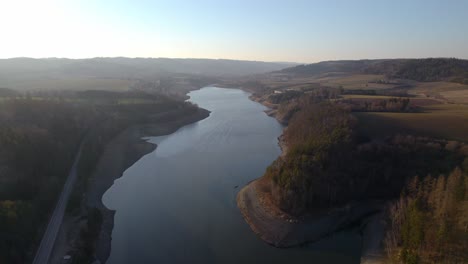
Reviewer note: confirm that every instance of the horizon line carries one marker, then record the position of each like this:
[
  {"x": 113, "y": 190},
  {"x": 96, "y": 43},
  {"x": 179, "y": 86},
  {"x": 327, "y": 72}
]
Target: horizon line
[{"x": 224, "y": 59}]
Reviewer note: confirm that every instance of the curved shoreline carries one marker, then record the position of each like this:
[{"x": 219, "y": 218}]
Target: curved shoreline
[
  {"x": 282, "y": 230},
  {"x": 279, "y": 229},
  {"x": 121, "y": 153}
]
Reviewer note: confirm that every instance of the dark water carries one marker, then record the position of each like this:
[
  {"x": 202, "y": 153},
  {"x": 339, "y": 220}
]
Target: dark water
[{"x": 178, "y": 203}]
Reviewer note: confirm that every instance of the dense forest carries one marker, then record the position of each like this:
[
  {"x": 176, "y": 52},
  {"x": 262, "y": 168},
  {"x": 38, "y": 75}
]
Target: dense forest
[
  {"x": 329, "y": 164},
  {"x": 429, "y": 222},
  {"x": 39, "y": 137},
  {"x": 424, "y": 70}
]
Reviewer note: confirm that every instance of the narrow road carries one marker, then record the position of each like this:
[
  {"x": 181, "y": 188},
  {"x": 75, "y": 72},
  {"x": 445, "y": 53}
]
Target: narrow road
[{"x": 48, "y": 240}]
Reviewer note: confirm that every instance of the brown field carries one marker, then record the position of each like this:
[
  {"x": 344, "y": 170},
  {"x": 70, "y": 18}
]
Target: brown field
[
  {"x": 452, "y": 92},
  {"x": 442, "y": 91},
  {"x": 422, "y": 87},
  {"x": 443, "y": 105},
  {"x": 331, "y": 80},
  {"x": 447, "y": 121},
  {"x": 425, "y": 101},
  {"x": 360, "y": 81},
  {"x": 439, "y": 91},
  {"x": 457, "y": 96}
]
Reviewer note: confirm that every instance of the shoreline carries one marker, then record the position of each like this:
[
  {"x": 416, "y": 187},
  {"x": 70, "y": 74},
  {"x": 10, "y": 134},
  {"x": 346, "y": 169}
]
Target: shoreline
[
  {"x": 120, "y": 154},
  {"x": 282, "y": 230}
]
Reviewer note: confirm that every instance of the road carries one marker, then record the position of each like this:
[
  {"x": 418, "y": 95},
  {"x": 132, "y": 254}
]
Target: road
[{"x": 47, "y": 243}]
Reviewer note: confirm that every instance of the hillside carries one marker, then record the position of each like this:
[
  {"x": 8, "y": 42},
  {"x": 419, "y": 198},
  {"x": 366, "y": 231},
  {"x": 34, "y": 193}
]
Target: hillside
[
  {"x": 129, "y": 67},
  {"x": 343, "y": 66},
  {"x": 424, "y": 70},
  {"x": 359, "y": 133},
  {"x": 39, "y": 137}
]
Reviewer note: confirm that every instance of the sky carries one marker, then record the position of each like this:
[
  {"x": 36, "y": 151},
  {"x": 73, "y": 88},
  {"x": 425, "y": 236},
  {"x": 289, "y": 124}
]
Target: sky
[{"x": 268, "y": 30}]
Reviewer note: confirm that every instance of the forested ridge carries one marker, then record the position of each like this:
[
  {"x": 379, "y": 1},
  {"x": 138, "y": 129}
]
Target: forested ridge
[{"x": 424, "y": 70}]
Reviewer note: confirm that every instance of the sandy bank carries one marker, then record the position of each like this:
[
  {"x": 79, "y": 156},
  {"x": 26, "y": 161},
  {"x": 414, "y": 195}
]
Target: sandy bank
[
  {"x": 123, "y": 151},
  {"x": 282, "y": 230}
]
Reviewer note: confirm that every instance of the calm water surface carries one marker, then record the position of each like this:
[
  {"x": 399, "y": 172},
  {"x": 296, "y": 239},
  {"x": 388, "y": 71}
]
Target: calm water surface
[{"x": 178, "y": 203}]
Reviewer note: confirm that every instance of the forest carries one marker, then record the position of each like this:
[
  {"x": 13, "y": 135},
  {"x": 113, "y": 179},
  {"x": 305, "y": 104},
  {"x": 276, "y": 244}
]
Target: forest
[
  {"x": 328, "y": 163},
  {"x": 39, "y": 137},
  {"x": 395, "y": 104},
  {"x": 424, "y": 70},
  {"x": 428, "y": 223}
]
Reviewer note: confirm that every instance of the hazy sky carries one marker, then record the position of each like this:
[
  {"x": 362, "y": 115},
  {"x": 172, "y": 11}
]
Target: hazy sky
[{"x": 286, "y": 30}]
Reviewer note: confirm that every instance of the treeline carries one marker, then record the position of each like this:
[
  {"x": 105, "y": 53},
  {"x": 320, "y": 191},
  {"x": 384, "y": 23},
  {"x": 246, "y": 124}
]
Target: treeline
[
  {"x": 399, "y": 91},
  {"x": 429, "y": 222},
  {"x": 428, "y": 70},
  {"x": 348, "y": 66},
  {"x": 317, "y": 93},
  {"x": 398, "y": 105},
  {"x": 290, "y": 104},
  {"x": 284, "y": 96},
  {"x": 39, "y": 138},
  {"x": 424, "y": 70},
  {"x": 328, "y": 164}
]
